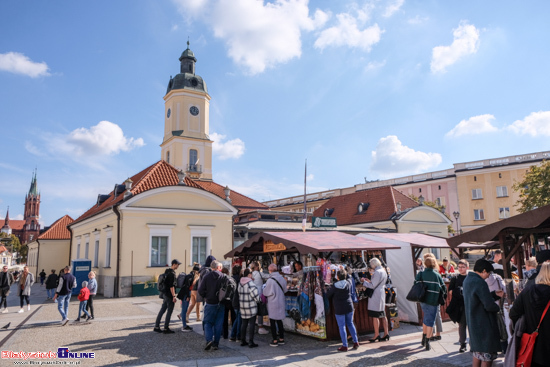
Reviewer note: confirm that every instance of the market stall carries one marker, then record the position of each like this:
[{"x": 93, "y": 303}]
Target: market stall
[
  {"x": 403, "y": 270},
  {"x": 321, "y": 253}
]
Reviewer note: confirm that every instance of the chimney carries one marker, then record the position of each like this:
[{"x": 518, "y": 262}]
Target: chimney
[{"x": 227, "y": 192}]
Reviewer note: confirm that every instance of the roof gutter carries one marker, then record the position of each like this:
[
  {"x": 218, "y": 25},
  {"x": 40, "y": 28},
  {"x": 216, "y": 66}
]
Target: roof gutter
[
  {"x": 70, "y": 243},
  {"x": 37, "y": 258},
  {"x": 117, "y": 277}
]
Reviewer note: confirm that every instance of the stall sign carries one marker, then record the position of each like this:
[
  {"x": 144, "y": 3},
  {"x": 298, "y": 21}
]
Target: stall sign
[
  {"x": 269, "y": 246},
  {"x": 319, "y": 222}
]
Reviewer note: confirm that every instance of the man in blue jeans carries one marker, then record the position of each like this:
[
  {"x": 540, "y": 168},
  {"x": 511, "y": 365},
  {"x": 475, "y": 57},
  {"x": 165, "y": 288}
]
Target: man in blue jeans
[
  {"x": 64, "y": 290},
  {"x": 212, "y": 321}
]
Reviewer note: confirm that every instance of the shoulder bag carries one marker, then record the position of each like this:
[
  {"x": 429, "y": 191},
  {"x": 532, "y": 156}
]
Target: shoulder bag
[
  {"x": 417, "y": 292},
  {"x": 527, "y": 346},
  {"x": 370, "y": 291}
]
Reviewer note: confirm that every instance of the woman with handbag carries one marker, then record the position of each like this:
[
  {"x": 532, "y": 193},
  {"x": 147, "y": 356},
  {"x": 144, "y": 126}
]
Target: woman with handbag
[
  {"x": 531, "y": 304},
  {"x": 430, "y": 304},
  {"x": 377, "y": 302}
]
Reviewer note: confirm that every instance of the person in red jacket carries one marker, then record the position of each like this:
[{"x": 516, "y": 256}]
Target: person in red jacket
[
  {"x": 446, "y": 267},
  {"x": 83, "y": 298}
]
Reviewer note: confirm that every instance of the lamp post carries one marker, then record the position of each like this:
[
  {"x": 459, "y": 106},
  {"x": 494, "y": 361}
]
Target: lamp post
[{"x": 456, "y": 215}]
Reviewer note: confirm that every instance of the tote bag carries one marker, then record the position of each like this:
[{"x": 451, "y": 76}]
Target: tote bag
[
  {"x": 417, "y": 292},
  {"x": 527, "y": 346}
]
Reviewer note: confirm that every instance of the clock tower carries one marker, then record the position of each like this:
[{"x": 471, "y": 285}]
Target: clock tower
[{"x": 186, "y": 144}]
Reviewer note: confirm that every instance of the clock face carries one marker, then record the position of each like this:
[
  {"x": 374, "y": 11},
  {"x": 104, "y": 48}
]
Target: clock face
[
  {"x": 168, "y": 113},
  {"x": 194, "y": 110}
]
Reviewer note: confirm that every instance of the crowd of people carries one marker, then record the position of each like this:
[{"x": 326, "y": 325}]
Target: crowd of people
[{"x": 477, "y": 299}]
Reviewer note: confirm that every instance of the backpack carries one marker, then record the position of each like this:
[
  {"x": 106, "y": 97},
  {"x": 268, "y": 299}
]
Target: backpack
[
  {"x": 162, "y": 283},
  {"x": 227, "y": 289},
  {"x": 181, "y": 280}
]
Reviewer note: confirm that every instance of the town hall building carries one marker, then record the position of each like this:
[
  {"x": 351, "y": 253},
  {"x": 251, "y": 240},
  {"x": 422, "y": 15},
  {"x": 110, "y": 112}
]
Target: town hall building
[{"x": 171, "y": 209}]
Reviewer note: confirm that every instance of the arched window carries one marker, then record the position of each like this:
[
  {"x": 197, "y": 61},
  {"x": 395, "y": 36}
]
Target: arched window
[
  {"x": 193, "y": 156},
  {"x": 168, "y": 157}
]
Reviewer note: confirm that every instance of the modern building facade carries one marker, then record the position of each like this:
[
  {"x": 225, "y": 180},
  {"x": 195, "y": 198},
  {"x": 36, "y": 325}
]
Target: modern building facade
[{"x": 472, "y": 193}]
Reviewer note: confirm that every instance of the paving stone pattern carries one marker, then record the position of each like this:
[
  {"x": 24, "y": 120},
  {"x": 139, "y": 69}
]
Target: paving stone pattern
[{"x": 122, "y": 335}]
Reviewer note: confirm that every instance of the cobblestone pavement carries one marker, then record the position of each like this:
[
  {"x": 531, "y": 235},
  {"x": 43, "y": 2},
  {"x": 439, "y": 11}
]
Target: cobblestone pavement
[{"x": 122, "y": 335}]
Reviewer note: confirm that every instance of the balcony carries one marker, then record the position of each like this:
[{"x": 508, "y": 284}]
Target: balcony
[{"x": 194, "y": 168}]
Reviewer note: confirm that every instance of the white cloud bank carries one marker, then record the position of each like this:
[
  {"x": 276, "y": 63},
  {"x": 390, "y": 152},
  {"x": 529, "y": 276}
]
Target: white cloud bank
[
  {"x": 258, "y": 35},
  {"x": 17, "y": 63},
  {"x": 392, "y": 158},
  {"x": 104, "y": 139},
  {"x": 473, "y": 126},
  {"x": 348, "y": 33},
  {"x": 537, "y": 123},
  {"x": 466, "y": 42},
  {"x": 231, "y": 149}
]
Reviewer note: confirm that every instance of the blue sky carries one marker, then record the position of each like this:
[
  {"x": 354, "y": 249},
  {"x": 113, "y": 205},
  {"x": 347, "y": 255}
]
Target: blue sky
[{"x": 374, "y": 89}]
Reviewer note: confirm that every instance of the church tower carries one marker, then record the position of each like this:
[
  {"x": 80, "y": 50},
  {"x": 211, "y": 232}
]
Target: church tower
[
  {"x": 6, "y": 227},
  {"x": 186, "y": 144},
  {"x": 32, "y": 213}
]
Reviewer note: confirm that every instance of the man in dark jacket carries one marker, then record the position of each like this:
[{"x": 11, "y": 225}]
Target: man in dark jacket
[
  {"x": 6, "y": 280},
  {"x": 213, "y": 310},
  {"x": 51, "y": 284},
  {"x": 205, "y": 269},
  {"x": 481, "y": 315},
  {"x": 185, "y": 296},
  {"x": 64, "y": 291},
  {"x": 168, "y": 298}
]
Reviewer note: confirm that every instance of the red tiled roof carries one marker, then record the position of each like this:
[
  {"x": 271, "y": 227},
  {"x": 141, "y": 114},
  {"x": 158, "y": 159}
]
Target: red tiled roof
[
  {"x": 382, "y": 205},
  {"x": 163, "y": 174},
  {"x": 58, "y": 230},
  {"x": 238, "y": 200},
  {"x": 17, "y": 225}
]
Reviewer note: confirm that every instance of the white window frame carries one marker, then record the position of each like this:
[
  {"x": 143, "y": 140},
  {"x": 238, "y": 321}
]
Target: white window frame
[
  {"x": 86, "y": 245},
  {"x": 477, "y": 194},
  {"x": 96, "y": 248},
  {"x": 200, "y": 231},
  {"x": 78, "y": 239},
  {"x": 160, "y": 230},
  {"x": 108, "y": 242},
  {"x": 502, "y": 191},
  {"x": 505, "y": 210},
  {"x": 480, "y": 214}
]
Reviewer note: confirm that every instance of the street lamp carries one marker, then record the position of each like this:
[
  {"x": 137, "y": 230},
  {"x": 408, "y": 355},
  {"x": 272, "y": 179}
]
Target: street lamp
[{"x": 456, "y": 215}]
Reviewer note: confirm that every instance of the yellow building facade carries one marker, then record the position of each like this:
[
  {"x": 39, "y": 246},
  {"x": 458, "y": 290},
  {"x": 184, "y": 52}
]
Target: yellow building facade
[
  {"x": 485, "y": 191},
  {"x": 50, "y": 250}
]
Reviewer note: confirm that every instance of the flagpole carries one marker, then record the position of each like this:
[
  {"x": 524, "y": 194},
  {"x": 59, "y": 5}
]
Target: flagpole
[{"x": 304, "y": 220}]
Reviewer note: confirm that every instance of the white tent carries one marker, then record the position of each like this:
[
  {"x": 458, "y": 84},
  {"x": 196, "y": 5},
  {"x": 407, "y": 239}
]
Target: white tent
[{"x": 401, "y": 264}]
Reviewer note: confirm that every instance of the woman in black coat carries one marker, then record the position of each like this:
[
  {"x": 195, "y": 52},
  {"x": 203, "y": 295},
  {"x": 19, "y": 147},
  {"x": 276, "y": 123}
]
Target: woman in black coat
[{"x": 531, "y": 304}]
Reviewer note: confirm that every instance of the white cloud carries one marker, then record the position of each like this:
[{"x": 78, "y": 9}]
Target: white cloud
[
  {"x": 474, "y": 125},
  {"x": 347, "y": 33},
  {"x": 394, "y": 6},
  {"x": 466, "y": 42},
  {"x": 310, "y": 177},
  {"x": 233, "y": 149},
  {"x": 105, "y": 138},
  {"x": 417, "y": 20},
  {"x": 257, "y": 35},
  {"x": 17, "y": 63},
  {"x": 392, "y": 158},
  {"x": 373, "y": 65},
  {"x": 537, "y": 123}
]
